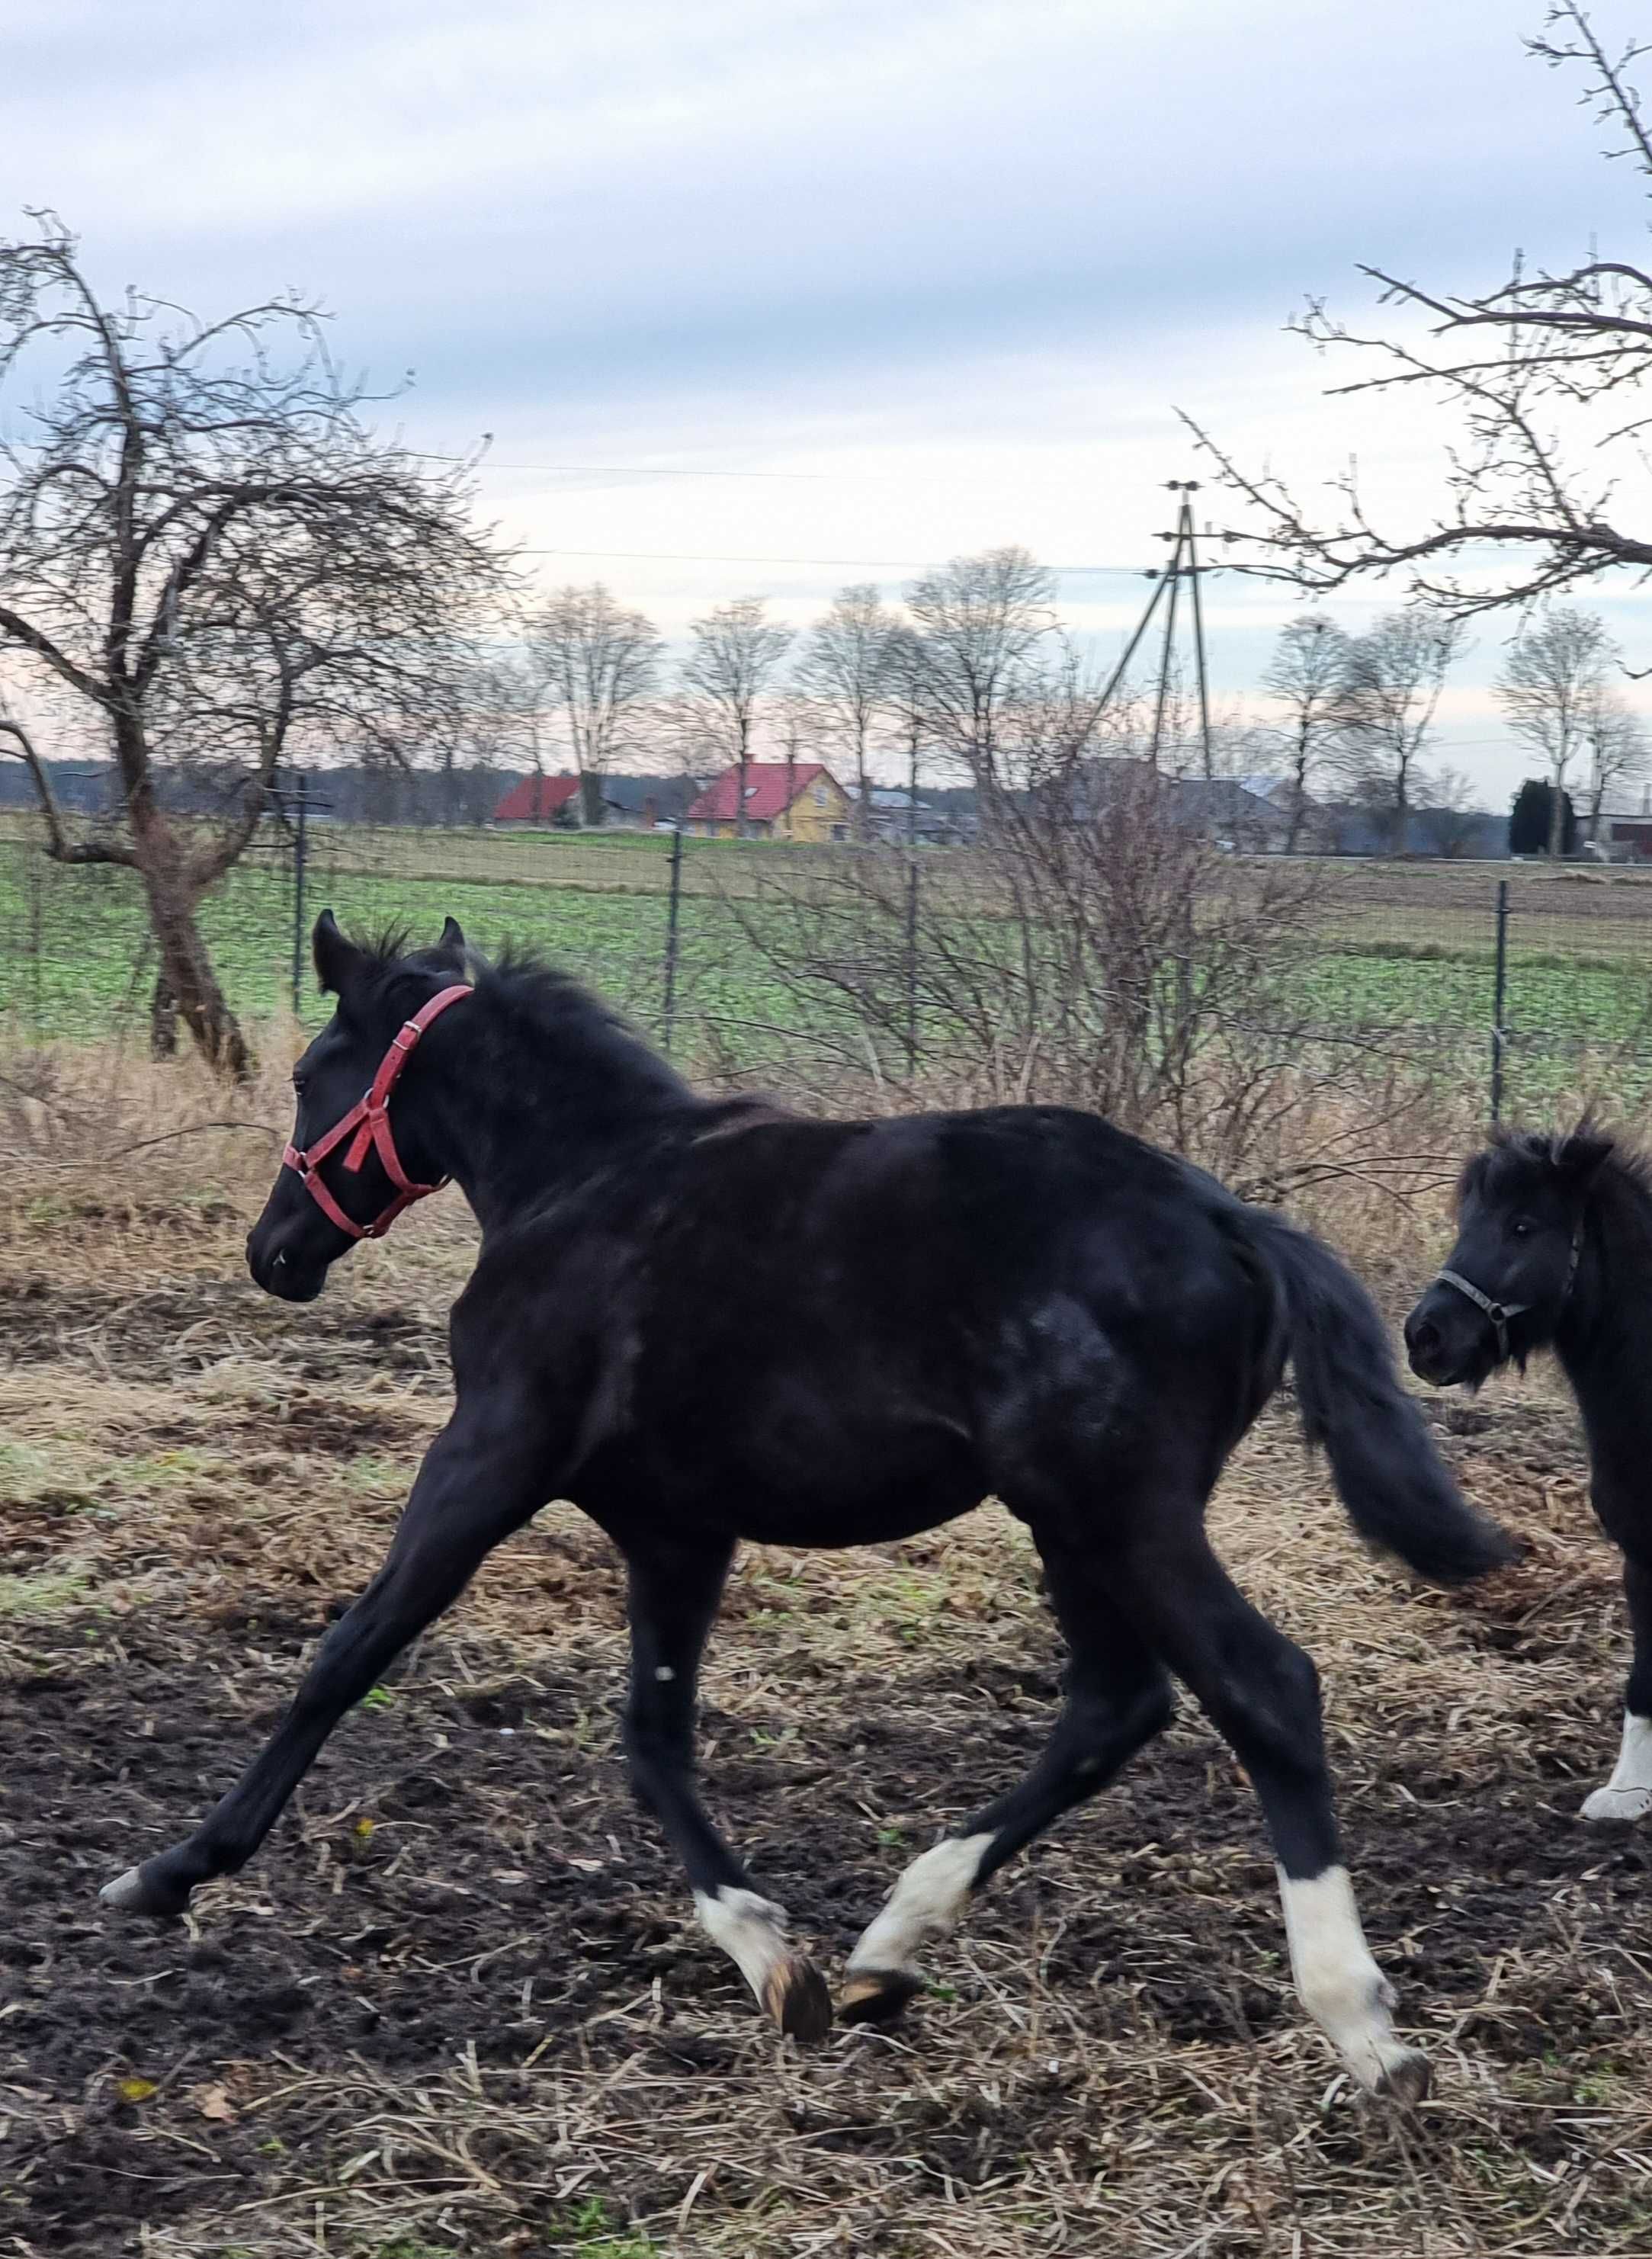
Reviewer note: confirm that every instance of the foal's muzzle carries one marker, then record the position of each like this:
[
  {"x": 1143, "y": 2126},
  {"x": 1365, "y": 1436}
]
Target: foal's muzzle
[{"x": 278, "y": 1273}]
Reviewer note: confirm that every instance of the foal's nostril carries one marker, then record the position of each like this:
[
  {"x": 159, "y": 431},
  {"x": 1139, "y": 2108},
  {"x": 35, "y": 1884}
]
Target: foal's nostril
[{"x": 1422, "y": 1339}]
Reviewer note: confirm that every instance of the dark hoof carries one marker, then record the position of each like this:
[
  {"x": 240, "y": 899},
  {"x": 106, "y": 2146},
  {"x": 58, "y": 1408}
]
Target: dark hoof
[
  {"x": 876, "y": 1996},
  {"x": 1406, "y": 2082},
  {"x": 139, "y": 1891},
  {"x": 797, "y": 1999}
]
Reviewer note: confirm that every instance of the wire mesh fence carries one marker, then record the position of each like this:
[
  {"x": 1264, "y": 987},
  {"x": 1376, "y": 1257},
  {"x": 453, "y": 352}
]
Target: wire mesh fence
[{"x": 1403, "y": 959}]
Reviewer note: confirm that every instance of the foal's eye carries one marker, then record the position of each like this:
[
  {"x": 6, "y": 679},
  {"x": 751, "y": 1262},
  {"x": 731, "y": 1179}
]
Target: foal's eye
[{"x": 1522, "y": 1228}]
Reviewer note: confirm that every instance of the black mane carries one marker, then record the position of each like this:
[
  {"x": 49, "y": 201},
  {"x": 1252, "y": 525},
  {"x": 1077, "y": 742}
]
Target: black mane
[
  {"x": 1514, "y": 1162},
  {"x": 538, "y": 1006}
]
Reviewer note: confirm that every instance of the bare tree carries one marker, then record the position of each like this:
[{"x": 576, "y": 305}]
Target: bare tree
[
  {"x": 908, "y": 712},
  {"x": 735, "y": 653},
  {"x": 847, "y": 666},
  {"x": 202, "y": 539},
  {"x": 1305, "y": 679},
  {"x": 1446, "y": 813},
  {"x": 1618, "y": 748},
  {"x": 1391, "y": 683},
  {"x": 1554, "y": 673},
  {"x": 601, "y": 663},
  {"x": 501, "y": 724},
  {"x": 1538, "y": 377},
  {"x": 978, "y": 624},
  {"x": 1096, "y": 950}
]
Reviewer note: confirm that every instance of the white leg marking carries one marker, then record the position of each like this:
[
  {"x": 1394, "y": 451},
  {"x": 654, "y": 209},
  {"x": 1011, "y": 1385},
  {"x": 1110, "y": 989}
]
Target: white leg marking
[
  {"x": 1627, "y": 1795},
  {"x": 925, "y": 1903},
  {"x": 750, "y": 1930},
  {"x": 1339, "y": 1984},
  {"x": 664, "y": 1672}
]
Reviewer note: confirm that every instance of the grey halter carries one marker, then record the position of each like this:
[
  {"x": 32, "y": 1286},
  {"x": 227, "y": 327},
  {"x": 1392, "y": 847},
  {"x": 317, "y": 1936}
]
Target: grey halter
[{"x": 1501, "y": 1312}]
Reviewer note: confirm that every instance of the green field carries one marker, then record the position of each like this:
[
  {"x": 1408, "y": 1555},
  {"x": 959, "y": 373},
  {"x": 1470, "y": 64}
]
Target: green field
[{"x": 80, "y": 965}]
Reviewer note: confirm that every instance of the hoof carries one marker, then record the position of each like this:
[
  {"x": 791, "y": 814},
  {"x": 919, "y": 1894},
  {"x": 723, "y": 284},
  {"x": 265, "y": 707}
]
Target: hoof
[
  {"x": 1620, "y": 1804},
  {"x": 137, "y": 1892},
  {"x": 876, "y": 1996},
  {"x": 796, "y": 1998},
  {"x": 1406, "y": 2079}
]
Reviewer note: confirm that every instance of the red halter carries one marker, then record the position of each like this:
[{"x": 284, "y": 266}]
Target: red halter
[{"x": 370, "y": 1118}]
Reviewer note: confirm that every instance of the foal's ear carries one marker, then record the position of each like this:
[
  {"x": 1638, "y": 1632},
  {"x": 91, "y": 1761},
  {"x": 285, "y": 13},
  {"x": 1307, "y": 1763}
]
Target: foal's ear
[
  {"x": 1579, "y": 1156},
  {"x": 452, "y": 939},
  {"x": 338, "y": 961}
]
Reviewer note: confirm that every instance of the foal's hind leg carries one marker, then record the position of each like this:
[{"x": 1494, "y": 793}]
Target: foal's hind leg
[
  {"x": 1627, "y": 1795},
  {"x": 1117, "y": 1698},
  {"x": 674, "y": 1590},
  {"x": 474, "y": 1488},
  {"x": 1262, "y": 1693}
]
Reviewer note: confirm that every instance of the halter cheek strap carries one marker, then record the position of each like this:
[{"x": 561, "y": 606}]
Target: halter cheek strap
[
  {"x": 1501, "y": 1312},
  {"x": 368, "y": 1126}
]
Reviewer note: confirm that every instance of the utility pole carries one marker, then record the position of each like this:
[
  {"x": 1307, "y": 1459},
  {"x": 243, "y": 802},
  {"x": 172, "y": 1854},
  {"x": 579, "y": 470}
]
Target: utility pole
[{"x": 1167, "y": 579}]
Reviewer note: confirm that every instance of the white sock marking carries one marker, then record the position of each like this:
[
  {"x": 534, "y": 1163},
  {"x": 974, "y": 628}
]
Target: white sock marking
[
  {"x": 1627, "y": 1795},
  {"x": 750, "y": 1930},
  {"x": 925, "y": 1903},
  {"x": 1336, "y": 1980}
]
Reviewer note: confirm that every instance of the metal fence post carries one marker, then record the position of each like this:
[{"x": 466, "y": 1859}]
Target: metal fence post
[
  {"x": 1499, "y": 983},
  {"x": 299, "y": 849},
  {"x": 912, "y": 963},
  {"x": 37, "y": 939},
  {"x": 673, "y": 912}
]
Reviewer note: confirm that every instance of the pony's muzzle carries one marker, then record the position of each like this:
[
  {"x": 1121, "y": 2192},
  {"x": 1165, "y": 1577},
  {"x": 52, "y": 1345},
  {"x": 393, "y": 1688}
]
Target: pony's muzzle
[{"x": 1447, "y": 1340}]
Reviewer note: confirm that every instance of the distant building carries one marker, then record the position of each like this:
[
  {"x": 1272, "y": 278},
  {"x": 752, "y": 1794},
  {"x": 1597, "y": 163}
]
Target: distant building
[
  {"x": 1232, "y": 813},
  {"x": 784, "y": 799},
  {"x": 893, "y": 814},
  {"x": 540, "y": 799}
]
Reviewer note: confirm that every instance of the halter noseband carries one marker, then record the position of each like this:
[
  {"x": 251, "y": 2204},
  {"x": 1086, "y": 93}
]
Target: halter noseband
[
  {"x": 370, "y": 1119},
  {"x": 1501, "y": 1312}
]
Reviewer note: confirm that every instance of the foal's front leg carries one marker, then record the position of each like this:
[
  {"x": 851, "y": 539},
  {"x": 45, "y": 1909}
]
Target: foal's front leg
[
  {"x": 481, "y": 1479},
  {"x": 1627, "y": 1795},
  {"x": 675, "y": 1586}
]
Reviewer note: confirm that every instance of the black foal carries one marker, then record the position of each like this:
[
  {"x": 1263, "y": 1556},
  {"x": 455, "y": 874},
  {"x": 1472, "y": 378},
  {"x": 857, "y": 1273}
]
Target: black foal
[
  {"x": 1554, "y": 1250},
  {"x": 704, "y": 1322}
]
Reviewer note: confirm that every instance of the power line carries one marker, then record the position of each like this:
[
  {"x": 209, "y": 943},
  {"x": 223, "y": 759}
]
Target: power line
[
  {"x": 485, "y": 462},
  {"x": 640, "y": 471},
  {"x": 874, "y": 564}
]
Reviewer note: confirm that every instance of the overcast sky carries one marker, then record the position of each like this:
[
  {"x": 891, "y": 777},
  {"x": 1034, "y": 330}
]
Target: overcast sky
[{"x": 768, "y": 295}]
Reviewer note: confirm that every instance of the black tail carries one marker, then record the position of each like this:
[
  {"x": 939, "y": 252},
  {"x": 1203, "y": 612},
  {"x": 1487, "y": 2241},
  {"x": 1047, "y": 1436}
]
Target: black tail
[{"x": 1398, "y": 1493}]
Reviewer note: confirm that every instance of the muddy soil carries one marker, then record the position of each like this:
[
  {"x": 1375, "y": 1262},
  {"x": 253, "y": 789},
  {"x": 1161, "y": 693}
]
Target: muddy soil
[
  {"x": 465, "y": 1871},
  {"x": 463, "y": 1877}
]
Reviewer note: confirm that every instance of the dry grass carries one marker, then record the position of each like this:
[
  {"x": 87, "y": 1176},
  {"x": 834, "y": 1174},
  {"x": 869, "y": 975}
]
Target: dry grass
[{"x": 1109, "y": 2063}]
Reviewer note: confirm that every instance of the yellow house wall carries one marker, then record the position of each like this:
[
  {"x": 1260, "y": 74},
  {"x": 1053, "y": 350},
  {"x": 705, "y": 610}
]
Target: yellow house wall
[{"x": 807, "y": 821}]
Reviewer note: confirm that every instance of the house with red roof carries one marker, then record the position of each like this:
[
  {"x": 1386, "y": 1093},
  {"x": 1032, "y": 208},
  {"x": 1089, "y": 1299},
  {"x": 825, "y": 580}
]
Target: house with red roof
[
  {"x": 540, "y": 799},
  {"x": 784, "y": 799}
]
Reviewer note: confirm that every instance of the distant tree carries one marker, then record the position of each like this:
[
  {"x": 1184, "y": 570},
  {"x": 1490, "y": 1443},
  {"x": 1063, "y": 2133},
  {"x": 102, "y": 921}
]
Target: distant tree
[
  {"x": 204, "y": 544},
  {"x": 1307, "y": 680},
  {"x": 978, "y": 625},
  {"x": 1616, "y": 747},
  {"x": 846, "y": 666},
  {"x": 908, "y": 711},
  {"x": 1535, "y": 379},
  {"x": 1552, "y": 678},
  {"x": 1534, "y": 823},
  {"x": 1447, "y": 819},
  {"x": 601, "y": 663},
  {"x": 735, "y": 654},
  {"x": 1392, "y": 681}
]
